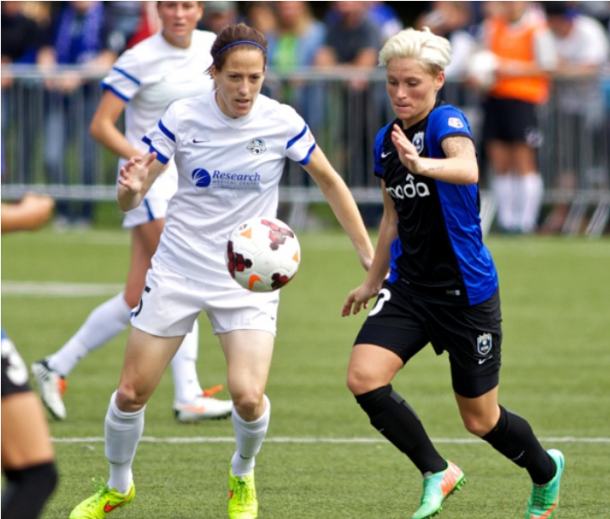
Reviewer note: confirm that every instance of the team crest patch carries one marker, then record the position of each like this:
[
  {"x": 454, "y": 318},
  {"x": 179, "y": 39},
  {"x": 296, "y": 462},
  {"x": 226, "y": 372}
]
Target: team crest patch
[
  {"x": 454, "y": 122},
  {"x": 257, "y": 147},
  {"x": 484, "y": 343},
  {"x": 418, "y": 142}
]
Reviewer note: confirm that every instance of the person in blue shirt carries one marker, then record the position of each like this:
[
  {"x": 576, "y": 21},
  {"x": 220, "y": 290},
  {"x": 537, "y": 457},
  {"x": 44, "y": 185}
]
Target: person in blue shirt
[{"x": 435, "y": 282}]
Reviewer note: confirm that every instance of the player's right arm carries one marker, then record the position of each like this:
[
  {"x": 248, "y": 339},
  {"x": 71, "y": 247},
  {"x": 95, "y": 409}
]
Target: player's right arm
[
  {"x": 388, "y": 232},
  {"x": 135, "y": 179},
  {"x": 103, "y": 126}
]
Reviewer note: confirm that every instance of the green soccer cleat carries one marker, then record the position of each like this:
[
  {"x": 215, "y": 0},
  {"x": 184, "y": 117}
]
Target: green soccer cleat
[
  {"x": 544, "y": 499},
  {"x": 437, "y": 488},
  {"x": 242, "y": 497},
  {"x": 104, "y": 501}
]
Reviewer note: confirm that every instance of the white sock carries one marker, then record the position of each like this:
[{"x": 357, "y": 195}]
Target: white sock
[
  {"x": 530, "y": 189},
  {"x": 105, "y": 322},
  {"x": 184, "y": 368},
  {"x": 504, "y": 192},
  {"x": 249, "y": 437},
  {"x": 123, "y": 432}
]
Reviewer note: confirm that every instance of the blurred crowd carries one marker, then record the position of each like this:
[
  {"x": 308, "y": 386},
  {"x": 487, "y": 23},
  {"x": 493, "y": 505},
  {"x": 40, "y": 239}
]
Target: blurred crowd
[{"x": 553, "y": 39}]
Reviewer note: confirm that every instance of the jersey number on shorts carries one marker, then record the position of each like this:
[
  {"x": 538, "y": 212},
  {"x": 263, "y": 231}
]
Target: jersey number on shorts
[
  {"x": 16, "y": 371},
  {"x": 384, "y": 295}
]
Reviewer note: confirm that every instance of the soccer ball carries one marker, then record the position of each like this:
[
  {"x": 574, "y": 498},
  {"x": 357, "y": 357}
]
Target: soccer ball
[{"x": 263, "y": 254}]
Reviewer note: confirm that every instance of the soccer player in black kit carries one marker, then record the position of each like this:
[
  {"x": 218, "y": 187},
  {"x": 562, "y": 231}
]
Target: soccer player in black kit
[{"x": 435, "y": 283}]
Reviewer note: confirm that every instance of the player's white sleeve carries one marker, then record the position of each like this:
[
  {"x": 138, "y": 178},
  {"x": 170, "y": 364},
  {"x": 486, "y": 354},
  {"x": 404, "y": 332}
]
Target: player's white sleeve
[
  {"x": 300, "y": 143},
  {"x": 163, "y": 137},
  {"x": 124, "y": 79}
]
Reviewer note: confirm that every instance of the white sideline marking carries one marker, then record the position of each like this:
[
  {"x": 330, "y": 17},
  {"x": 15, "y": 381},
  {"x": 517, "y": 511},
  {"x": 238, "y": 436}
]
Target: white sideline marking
[
  {"x": 46, "y": 289},
  {"x": 280, "y": 439}
]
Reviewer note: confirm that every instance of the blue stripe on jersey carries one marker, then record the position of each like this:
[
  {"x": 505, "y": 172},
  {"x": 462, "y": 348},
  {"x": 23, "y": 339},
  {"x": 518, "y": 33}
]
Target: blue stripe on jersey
[
  {"x": 395, "y": 253},
  {"x": 166, "y": 131},
  {"x": 295, "y": 139},
  {"x": 110, "y": 88},
  {"x": 127, "y": 75},
  {"x": 305, "y": 161},
  {"x": 160, "y": 157},
  {"x": 461, "y": 211},
  {"x": 151, "y": 216},
  {"x": 378, "y": 150},
  {"x": 146, "y": 140}
]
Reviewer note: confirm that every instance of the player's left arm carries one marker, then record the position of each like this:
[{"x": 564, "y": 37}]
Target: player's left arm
[
  {"x": 458, "y": 167},
  {"x": 342, "y": 203}
]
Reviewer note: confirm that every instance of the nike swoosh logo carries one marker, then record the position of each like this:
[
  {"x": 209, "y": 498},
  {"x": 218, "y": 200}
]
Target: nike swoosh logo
[
  {"x": 109, "y": 508},
  {"x": 385, "y": 155},
  {"x": 482, "y": 361},
  {"x": 547, "y": 514},
  {"x": 198, "y": 141},
  {"x": 193, "y": 408}
]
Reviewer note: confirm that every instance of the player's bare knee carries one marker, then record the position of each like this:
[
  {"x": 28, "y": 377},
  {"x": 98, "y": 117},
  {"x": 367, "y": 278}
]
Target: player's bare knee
[
  {"x": 249, "y": 404},
  {"x": 128, "y": 399},
  {"x": 477, "y": 425},
  {"x": 360, "y": 382}
]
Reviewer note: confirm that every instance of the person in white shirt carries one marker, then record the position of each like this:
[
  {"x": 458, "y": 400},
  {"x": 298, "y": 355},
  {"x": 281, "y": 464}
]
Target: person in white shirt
[
  {"x": 144, "y": 81},
  {"x": 221, "y": 182}
]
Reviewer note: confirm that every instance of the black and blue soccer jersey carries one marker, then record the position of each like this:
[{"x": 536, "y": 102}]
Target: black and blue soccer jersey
[{"x": 439, "y": 254}]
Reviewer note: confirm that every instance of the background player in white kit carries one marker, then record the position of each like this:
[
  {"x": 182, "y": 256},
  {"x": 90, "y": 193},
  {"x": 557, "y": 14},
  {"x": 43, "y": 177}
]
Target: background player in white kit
[
  {"x": 144, "y": 81},
  {"x": 223, "y": 179}
]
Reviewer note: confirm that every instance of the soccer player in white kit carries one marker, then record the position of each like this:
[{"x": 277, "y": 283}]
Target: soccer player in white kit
[
  {"x": 143, "y": 82},
  {"x": 230, "y": 148}
]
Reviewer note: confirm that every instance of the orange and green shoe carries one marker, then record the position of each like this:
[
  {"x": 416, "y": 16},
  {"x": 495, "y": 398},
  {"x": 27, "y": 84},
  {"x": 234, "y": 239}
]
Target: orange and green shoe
[
  {"x": 437, "y": 488},
  {"x": 545, "y": 498}
]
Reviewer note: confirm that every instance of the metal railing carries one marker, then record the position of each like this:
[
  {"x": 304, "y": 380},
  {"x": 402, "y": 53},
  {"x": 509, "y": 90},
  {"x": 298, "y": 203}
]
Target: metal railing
[{"x": 47, "y": 146}]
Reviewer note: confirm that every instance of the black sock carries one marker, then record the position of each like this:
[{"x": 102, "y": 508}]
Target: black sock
[
  {"x": 28, "y": 490},
  {"x": 513, "y": 437},
  {"x": 394, "y": 418}
]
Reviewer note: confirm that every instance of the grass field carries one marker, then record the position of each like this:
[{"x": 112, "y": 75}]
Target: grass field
[{"x": 322, "y": 459}]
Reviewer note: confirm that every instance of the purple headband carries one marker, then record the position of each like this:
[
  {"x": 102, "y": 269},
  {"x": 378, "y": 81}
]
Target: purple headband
[{"x": 241, "y": 42}]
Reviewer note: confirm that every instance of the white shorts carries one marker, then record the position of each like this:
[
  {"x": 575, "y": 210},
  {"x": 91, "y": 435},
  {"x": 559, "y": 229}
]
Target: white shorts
[
  {"x": 171, "y": 303},
  {"x": 150, "y": 209}
]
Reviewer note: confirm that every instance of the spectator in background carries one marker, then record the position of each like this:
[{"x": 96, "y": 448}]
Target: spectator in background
[
  {"x": 217, "y": 15},
  {"x": 77, "y": 37},
  {"x": 352, "y": 41},
  {"x": 582, "y": 47},
  {"x": 123, "y": 21},
  {"x": 261, "y": 16},
  {"x": 21, "y": 37},
  {"x": 526, "y": 55},
  {"x": 297, "y": 38},
  {"x": 385, "y": 19}
]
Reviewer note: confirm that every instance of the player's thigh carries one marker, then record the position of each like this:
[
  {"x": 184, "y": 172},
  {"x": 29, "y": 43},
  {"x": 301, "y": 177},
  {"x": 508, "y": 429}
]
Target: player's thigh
[
  {"x": 391, "y": 335},
  {"x": 146, "y": 359},
  {"x": 480, "y": 414},
  {"x": 144, "y": 242},
  {"x": 25, "y": 432},
  {"x": 248, "y": 354},
  {"x": 370, "y": 367}
]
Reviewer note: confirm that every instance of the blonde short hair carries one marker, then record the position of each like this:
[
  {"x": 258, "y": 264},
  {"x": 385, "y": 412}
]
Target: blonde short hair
[{"x": 433, "y": 51}]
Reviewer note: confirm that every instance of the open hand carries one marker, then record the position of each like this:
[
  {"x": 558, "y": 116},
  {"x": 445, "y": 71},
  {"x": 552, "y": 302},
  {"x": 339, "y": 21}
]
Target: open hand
[
  {"x": 358, "y": 299},
  {"x": 406, "y": 151},
  {"x": 135, "y": 172}
]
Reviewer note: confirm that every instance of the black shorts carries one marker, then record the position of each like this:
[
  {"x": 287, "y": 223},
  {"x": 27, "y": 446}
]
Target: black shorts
[
  {"x": 14, "y": 370},
  {"x": 512, "y": 121},
  {"x": 471, "y": 335}
]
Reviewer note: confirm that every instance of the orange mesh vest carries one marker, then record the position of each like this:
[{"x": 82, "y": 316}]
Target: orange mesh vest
[{"x": 516, "y": 43}]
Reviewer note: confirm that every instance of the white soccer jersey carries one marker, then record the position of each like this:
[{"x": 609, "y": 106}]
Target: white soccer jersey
[
  {"x": 228, "y": 171},
  {"x": 152, "y": 75}
]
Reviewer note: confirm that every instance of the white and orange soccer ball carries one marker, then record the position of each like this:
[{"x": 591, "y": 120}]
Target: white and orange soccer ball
[{"x": 263, "y": 254}]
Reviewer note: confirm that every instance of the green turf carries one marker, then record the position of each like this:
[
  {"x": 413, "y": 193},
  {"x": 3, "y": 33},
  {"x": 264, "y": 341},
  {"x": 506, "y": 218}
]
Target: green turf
[{"x": 556, "y": 361}]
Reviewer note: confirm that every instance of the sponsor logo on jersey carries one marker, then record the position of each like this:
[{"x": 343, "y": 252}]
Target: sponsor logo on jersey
[
  {"x": 454, "y": 122},
  {"x": 484, "y": 344},
  {"x": 410, "y": 189},
  {"x": 224, "y": 180},
  {"x": 418, "y": 142},
  {"x": 257, "y": 147}
]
